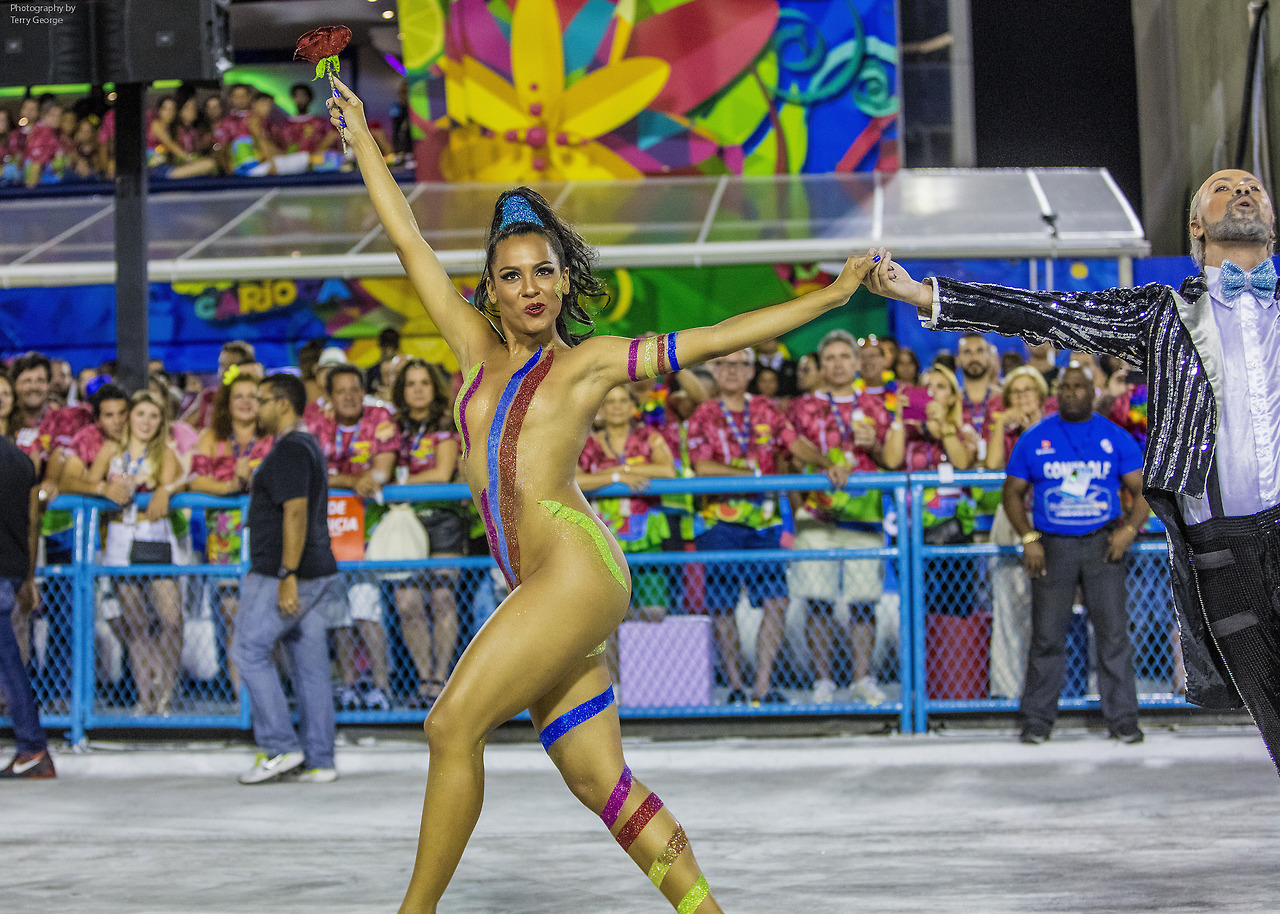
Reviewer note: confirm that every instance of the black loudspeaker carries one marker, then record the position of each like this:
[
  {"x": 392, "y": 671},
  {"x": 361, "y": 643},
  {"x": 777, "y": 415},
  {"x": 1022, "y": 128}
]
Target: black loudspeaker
[
  {"x": 102, "y": 41},
  {"x": 139, "y": 41},
  {"x": 45, "y": 48}
]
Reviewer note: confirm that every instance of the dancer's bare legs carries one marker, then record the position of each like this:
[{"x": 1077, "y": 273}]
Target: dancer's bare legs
[{"x": 530, "y": 654}]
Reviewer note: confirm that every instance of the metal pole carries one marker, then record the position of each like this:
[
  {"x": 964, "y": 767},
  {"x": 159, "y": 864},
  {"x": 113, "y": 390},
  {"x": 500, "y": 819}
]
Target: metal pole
[
  {"x": 964, "y": 144},
  {"x": 132, "y": 336}
]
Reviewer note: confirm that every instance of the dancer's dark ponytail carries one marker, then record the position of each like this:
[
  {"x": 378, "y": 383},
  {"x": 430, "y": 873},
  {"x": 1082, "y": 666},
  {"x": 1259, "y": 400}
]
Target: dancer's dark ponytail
[{"x": 574, "y": 253}]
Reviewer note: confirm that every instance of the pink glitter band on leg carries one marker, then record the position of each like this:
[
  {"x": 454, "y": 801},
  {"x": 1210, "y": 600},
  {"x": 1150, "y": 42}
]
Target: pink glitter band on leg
[
  {"x": 633, "y": 355},
  {"x": 617, "y": 798}
]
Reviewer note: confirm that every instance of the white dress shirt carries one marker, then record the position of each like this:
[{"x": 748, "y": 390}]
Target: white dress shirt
[{"x": 1248, "y": 442}]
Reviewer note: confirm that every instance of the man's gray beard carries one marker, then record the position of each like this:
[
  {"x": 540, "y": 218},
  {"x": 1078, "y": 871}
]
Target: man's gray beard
[{"x": 1248, "y": 227}]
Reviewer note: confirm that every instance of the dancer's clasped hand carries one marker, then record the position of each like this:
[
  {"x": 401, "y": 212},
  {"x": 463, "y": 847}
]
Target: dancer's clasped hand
[
  {"x": 347, "y": 108},
  {"x": 890, "y": 280}
]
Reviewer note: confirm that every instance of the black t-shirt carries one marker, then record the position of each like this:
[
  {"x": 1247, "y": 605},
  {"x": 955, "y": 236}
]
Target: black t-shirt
[
  {"x": 17, "y": 477},
  {"x": 295, "y": 468}
]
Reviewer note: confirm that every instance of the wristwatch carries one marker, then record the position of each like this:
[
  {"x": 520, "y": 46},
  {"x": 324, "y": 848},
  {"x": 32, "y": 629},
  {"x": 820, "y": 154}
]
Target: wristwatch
[
  {"x": 1032, "y": 537},
  {"x": 283, "y": 572}
]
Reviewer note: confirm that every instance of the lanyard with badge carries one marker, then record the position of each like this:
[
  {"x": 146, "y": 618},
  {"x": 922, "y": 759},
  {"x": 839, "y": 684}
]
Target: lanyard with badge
[
  {"x": 1076, "y": 483},
  {"x": 742, "y": 434}
]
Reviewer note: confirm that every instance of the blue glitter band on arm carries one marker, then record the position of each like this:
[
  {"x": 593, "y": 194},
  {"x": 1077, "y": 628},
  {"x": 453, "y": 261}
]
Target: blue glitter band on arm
[
  {"x": 581, "y": 714},
  {"x": 516, "y": 209},
  {"x": 491, "y": 456},
  {"x": 671, "y": 352}
]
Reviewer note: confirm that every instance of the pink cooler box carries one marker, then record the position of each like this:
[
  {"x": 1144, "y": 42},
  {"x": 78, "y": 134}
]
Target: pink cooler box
[{"x": 665, "y": 664}]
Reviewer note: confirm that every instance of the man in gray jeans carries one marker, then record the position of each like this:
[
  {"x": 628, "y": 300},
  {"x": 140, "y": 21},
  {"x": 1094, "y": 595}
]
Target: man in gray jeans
[{"x": 287, "y": 595}]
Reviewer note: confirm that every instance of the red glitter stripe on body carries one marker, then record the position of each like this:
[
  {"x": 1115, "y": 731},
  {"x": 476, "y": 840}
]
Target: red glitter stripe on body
[
  {"x": 661, "y": 343},
  {"x": 639, "y": 819},
  {"x": 632, "y": 355},
  {"x": 507, "y": 504}
]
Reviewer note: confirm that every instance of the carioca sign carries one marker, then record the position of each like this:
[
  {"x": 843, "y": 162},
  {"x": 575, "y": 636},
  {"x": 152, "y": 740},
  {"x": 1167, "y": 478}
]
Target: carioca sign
[{"x": 233, "y": 301}]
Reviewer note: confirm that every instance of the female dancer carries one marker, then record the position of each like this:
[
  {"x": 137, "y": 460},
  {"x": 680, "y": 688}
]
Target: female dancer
[{"x": 534, "y": 382}]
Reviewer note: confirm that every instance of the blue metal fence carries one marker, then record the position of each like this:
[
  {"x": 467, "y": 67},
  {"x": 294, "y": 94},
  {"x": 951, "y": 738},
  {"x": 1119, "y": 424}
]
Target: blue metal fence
[{"x": 944, "y": 626}]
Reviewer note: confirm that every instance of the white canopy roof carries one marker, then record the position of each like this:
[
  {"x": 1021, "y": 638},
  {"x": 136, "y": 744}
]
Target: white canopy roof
[{"x": 331, "y": 231}]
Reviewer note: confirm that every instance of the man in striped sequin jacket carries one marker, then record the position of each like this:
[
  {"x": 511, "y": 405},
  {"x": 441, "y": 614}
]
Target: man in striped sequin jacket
[{"x": 1211, "y": 355}]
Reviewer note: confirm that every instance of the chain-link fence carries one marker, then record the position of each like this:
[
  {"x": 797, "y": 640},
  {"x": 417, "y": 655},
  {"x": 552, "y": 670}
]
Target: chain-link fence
[
  {"x": 883, "y": 625},
  {"x": 976, "y": 611}
]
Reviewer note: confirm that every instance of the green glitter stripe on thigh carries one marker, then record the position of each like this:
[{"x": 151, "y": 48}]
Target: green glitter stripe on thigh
[
  {"x": 577, "y": 517},
  {"x": 694, "y": 897}
]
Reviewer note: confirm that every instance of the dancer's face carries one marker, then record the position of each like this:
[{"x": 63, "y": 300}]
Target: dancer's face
[
  {"x": 523, "y": 279},
  {"x": 1234, "y": 207}
]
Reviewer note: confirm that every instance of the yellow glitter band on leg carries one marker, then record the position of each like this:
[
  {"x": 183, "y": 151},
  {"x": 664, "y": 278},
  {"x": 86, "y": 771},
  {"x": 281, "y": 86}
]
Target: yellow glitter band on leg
[
  {"x": 602, "y": 545},
  {"x": 651, "y": 357},
  {"x": 658, "y": 872},
  {"x": 694, "y": 897}
]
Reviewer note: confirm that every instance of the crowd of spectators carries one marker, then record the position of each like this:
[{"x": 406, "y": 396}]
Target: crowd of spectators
[
  {"x": 192, "y": 132},
  {"x": 852, "y": 406}
]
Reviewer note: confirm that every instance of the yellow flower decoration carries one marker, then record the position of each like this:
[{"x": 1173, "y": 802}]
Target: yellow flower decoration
[{"x": 535, "y": 128}]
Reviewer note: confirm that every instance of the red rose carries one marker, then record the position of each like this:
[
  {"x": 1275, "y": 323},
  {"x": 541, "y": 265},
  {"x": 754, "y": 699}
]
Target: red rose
[{"x": 326, "y": 41}]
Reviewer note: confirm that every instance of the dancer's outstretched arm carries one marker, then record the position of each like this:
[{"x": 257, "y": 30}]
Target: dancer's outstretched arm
[
  {"x": 613, "y": 359},
  {"x": 462, "y": 326}
]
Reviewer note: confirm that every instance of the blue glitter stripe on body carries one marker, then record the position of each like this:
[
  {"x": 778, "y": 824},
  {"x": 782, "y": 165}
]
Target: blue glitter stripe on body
[
  {"x": 581, "y": 714},
  {"x": 671, "y": 353},
  {"x": 491, "y": 455}
]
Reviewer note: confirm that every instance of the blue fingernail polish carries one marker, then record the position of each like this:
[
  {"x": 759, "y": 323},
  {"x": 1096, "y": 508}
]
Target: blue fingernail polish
[{"x": 875, "y": 259}]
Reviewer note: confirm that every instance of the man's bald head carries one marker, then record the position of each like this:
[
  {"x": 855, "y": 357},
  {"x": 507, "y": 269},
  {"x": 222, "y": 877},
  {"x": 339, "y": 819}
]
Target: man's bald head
[{"x": 1231, "y": 207}]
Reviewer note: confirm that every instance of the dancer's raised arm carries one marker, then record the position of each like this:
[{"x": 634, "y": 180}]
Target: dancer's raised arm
[
  {"x": 614, "y": 359},
  {"x": 462, "y": 326}
]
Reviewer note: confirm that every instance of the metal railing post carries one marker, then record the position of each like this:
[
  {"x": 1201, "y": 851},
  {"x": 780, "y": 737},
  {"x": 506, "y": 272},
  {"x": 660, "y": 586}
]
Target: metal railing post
[
  {"x": 919, "y": 621},
  {"x": 906, "y": 612}
]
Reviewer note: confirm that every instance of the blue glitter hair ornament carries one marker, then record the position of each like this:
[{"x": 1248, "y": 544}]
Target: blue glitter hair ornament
[{"x": 516, "y": 209}]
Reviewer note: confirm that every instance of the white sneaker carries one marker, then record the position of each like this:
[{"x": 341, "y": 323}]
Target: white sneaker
[
  {"x": 824, "y": 691},
  {"x": 268, "y": 768},
  {"x": 376, "y": 700},
  {"x": 317, "y": 776},
  {"x": 868, "y": 691}
]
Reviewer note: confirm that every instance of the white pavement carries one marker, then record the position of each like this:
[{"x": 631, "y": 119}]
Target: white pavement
[{"x": 966, "y": 822}]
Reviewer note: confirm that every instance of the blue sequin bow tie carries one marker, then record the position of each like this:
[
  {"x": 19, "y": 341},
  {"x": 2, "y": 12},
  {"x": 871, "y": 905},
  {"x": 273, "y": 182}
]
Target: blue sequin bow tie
[{"x": 1262, "y": 278}]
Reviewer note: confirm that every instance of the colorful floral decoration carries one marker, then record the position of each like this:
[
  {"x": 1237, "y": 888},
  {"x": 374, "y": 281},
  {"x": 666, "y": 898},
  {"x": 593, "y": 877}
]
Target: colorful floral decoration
[{"x": 523, "y": 90}]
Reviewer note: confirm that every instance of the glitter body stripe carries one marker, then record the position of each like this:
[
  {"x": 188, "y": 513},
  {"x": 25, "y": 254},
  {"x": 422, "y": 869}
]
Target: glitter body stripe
[
  {"x": 694, "y": 897},
  {"x": 508, "y": 506},
  {"x": 658, "y": 872},
  {"x": 498, "y": 540},
  {"x": 672, "y": 364},
  {"x": 469, "y": 386},
  {"x": 619, "y": 796},
  {"x": 579, "y": 715},
  {"x": 632, "y": 355},
  {"x": 639, "y": 819},
  {"x": 651, "y": 357},
  {"x": 492, "y": 536},
  {"x": 597, "y": 537}
]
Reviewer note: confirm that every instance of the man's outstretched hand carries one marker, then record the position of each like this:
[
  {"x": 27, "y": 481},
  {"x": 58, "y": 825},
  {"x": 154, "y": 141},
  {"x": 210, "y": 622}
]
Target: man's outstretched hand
[{"x": 891, "y": 280}]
